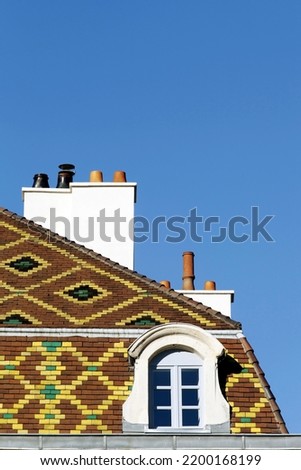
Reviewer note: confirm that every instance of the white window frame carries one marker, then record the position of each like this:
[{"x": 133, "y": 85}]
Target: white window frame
[{"x": 175, "y": 361}]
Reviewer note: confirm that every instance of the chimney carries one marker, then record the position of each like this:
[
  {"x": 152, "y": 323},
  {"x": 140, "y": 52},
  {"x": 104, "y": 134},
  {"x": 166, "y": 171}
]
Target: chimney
[
  {"x": 96, "y": 214},
  {"x": 188, "y": 270},
  {"x": 219, "y": 300}
]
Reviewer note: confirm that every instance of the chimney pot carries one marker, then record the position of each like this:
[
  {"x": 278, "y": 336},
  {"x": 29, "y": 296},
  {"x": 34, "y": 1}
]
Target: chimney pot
[
  {"x": 188, "y": 270},
  {"x": 40, "y": 180},
  {"x": 65, "y": 176},
  {"x": 96, "y": 176},
  {"x": 209, "y": 285},
  {"x": 119, "y": 177}
]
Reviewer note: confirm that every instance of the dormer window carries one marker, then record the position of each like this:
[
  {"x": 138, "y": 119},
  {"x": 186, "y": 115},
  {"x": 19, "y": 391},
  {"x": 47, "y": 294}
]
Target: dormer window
[{"x": 176, "y": 382}]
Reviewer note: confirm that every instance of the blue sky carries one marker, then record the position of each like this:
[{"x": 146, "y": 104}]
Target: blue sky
[{"x": 200, "y": 103}]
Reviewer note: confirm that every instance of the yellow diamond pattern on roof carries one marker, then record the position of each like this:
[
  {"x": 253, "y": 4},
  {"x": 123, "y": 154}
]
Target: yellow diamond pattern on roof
[
  {"x": 53, "y": 389},
  {"x": 72, "y": 292},
  {"x": 40, "y": 263},
  {"x": 44, "y": 272}
]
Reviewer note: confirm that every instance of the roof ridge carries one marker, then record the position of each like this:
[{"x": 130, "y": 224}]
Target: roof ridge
[{"x": 115, "y": 265}]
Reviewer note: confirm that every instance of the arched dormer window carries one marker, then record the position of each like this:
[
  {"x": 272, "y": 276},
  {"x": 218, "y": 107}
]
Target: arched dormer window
[{"x": 176, "y": 385}]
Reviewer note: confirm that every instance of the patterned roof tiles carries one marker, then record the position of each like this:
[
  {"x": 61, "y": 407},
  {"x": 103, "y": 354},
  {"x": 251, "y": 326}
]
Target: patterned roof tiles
[
  {"x": 74, "y": 383},
  {"x": 59, "y": 283}
]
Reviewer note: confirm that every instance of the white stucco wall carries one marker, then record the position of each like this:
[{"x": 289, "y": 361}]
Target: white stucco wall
[{"x": 81, "y": 213}]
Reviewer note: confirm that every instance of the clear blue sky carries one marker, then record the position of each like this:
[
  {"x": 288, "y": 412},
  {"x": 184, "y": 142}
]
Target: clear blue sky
[{"x": 199, "y": 101}]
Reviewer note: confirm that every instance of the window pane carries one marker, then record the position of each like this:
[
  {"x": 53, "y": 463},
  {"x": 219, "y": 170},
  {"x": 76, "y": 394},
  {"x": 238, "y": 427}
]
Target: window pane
[
  {"x": 162, "y": 418},
  {"x": 190, "y": 417},
  {"x": 175, "y": 378},
  {"x": 190, "y": 376},
  {"x": 162, "y": 398},
  {"x": 190, "y": 397},
  {"x": 162, "y": 377}
]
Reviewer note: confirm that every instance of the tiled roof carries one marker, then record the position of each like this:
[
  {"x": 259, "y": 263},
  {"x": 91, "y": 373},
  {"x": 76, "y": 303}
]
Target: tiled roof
[
  {"x": 49, "y": 281},
  {"x": 56, "y": 377},
  {"x": 254, "y": 408},
  {"x": 78, "y": 385}
]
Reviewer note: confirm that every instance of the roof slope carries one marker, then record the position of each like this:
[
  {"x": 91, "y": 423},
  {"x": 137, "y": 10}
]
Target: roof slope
[{"x": 49, "y": 281}]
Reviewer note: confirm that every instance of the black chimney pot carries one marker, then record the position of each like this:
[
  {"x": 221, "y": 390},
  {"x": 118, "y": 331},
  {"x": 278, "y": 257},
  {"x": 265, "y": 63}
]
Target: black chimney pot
[
  {"x": 65, "y": 176},
  {"x": 40, "y": 180}
]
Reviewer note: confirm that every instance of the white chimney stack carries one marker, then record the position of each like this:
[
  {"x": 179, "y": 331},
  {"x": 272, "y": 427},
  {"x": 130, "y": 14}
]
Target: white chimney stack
[
  {"x": 219, "y": 300},
  {"x": 96, "y": 214}
]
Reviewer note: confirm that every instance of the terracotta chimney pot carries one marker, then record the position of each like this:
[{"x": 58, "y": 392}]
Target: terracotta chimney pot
[
  {"x": 96, "y": 176},
  {"x": 188, "y": 270},
  {"x": 119, "y": 177},
  {"x": 209, "y": 285}
]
